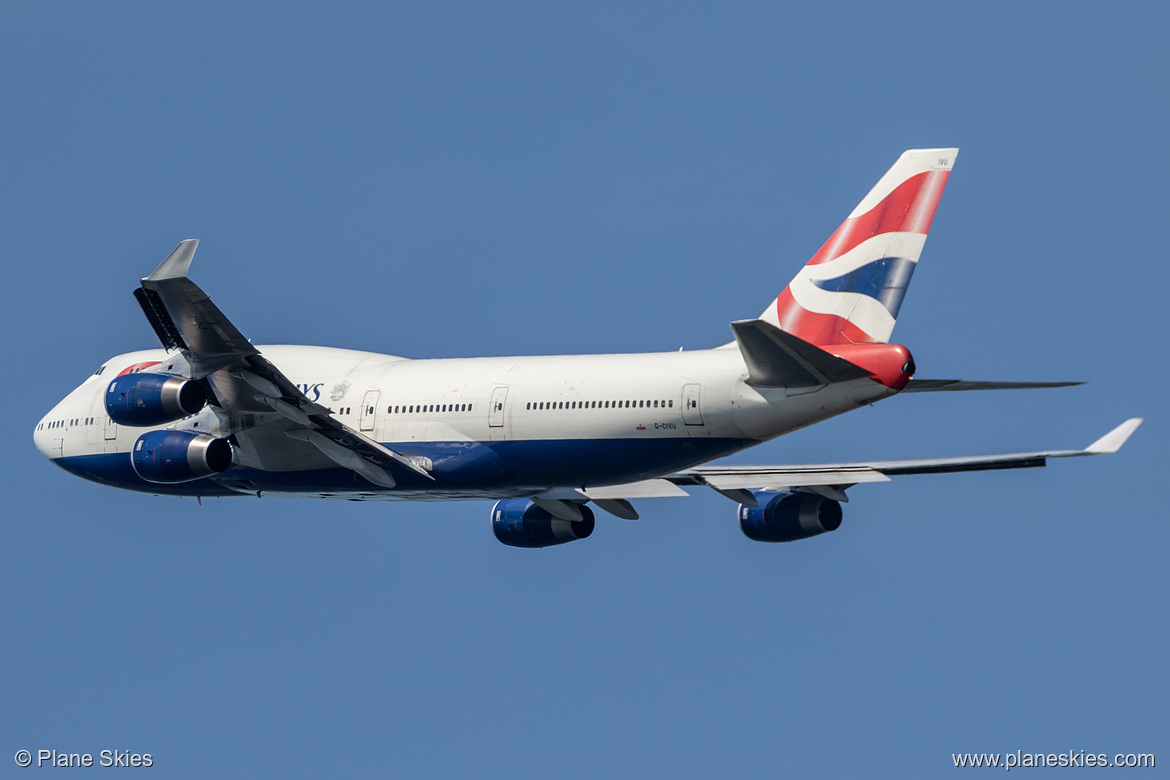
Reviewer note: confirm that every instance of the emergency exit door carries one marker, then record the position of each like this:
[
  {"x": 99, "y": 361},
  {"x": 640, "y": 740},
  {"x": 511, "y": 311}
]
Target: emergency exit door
[
  {"x": 496, "y": 410},
  {"x": 369, "y": 410},
  {"x": 692, "y": 414}
]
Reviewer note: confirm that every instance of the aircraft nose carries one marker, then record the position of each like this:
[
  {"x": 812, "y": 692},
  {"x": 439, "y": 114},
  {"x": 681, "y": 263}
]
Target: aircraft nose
[
  {"x": 46, "y": 442},
  {"x": 40, "y": 439}
]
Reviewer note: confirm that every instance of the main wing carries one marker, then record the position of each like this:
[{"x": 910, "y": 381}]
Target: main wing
[
  {"x": 275, "y": 426},
  {"x": 829, "y": 480}
]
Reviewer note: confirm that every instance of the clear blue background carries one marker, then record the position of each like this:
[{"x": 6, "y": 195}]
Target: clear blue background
[{"x": 449, "y": 179}]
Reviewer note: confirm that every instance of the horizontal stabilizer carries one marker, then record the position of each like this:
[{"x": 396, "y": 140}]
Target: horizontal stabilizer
[
  {"x": 953, "y": 385},
  {"x": 776, "y": 358}
]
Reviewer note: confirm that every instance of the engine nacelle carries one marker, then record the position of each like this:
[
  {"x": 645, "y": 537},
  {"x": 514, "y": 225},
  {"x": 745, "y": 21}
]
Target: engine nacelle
[
  {"x": 169, "y": 457},
  {"x": 786, "y": 517},
  {"x": 519, "y": 522},
  {"x": 141, "y": 400}
]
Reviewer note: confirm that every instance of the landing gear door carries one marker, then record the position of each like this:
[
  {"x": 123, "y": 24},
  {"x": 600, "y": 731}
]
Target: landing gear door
[
  {"x": 692, "y": 415},
  {"x": 369, "y": 410},
  {"x": 496, "y": 410}
]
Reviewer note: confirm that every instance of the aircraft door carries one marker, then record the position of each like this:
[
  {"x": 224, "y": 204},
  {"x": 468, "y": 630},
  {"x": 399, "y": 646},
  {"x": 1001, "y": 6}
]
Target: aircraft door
[
  {"x": 496, "y": 410},
  {"x": 692, "y": 415},
  {"x": 111, "y": 429},
  {"x": 369, "y": 410}
]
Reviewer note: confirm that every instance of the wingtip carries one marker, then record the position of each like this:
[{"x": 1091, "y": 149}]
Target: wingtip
[
  {"x": 177, "y": 263},
  {"x": 1112, "y": 441}
]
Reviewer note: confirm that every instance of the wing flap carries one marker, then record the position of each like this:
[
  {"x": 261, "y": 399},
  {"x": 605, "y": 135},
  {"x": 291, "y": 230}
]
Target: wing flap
[
  {"x": 650, "y": 488},
  {"x": 743, "y": 478}
]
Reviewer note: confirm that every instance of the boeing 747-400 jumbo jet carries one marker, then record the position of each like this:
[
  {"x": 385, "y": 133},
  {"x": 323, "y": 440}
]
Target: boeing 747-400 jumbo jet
[{"x": 210, "y": 414}]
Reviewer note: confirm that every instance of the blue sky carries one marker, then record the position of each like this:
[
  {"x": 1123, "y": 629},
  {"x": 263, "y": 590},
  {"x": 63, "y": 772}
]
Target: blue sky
[{"x": 462, "y": 179}]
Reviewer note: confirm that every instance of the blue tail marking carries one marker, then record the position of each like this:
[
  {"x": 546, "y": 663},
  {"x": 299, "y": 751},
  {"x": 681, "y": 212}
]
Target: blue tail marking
[{"x": 883, "y": 280}]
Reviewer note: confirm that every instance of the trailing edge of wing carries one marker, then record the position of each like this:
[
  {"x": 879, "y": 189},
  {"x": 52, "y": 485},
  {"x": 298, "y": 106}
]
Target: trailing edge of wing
[
  {"x": 953, "y": 385},
  {"x": 776, "y": 358},
  {"x": 649, "y": 488},
  {"x": 745, "y": 477}
]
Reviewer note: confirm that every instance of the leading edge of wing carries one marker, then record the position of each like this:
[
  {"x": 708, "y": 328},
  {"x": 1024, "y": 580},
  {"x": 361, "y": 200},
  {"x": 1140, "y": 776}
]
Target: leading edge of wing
[{"x": 813, "y": 475}]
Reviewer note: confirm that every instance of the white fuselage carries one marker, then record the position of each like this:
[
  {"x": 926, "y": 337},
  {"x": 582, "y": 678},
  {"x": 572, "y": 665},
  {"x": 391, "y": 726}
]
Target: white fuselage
[{"x": 543, "y": 422}]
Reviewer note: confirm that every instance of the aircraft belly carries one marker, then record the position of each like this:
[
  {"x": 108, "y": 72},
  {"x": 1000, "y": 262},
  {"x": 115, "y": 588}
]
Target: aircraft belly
[{"x": 460, "y": 469}]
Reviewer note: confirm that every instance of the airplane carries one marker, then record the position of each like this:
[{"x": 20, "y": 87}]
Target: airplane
[{"x": 547, "y": 437}]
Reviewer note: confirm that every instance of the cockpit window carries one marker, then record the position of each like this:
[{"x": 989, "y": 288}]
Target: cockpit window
[{"x": 99, "y": 371}]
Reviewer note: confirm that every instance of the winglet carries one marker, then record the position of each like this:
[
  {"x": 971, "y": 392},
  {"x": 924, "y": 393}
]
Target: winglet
[
  {"x": 177, "y": 262},
  {"x": 1112, "y": 441}
]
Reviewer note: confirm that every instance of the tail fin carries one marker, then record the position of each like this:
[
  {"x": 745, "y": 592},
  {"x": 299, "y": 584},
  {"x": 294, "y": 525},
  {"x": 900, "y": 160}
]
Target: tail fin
[{"x": 852, "y": 288}]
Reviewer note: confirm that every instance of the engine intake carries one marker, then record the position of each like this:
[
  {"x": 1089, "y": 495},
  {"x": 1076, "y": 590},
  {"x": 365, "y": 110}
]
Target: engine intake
[
  {"x": 519, "y": 522},
  {"x": 141, "y": 400},
  {"x": 169, "y": 457},
  {"x": 787, "y": 517}
]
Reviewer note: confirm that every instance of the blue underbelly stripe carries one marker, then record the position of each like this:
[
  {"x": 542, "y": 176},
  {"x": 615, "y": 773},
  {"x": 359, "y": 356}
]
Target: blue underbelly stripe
[{"x": 460, "y": 467}]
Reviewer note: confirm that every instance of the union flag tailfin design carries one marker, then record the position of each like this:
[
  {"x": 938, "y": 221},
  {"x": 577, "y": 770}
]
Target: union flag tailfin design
[{"x": 851, "y": 290}]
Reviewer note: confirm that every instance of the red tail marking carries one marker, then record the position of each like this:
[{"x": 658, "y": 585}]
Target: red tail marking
[{"x": 908, "y": 209}]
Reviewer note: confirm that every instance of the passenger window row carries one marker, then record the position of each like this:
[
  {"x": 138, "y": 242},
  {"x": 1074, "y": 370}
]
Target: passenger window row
[
  {"x": 448, "y": 408},
  {"x": 427, "y": 408},
  {"x": 63, "y": 423},
  {"x": 625, "y": 404}
]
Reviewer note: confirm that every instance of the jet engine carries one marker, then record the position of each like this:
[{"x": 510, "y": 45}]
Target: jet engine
[
  {"x": 169, "y": 457},
  {"x": 519, "y": 522},
  {"x": 786, "y": 517},
  {"x": 141, "y": 400}
]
